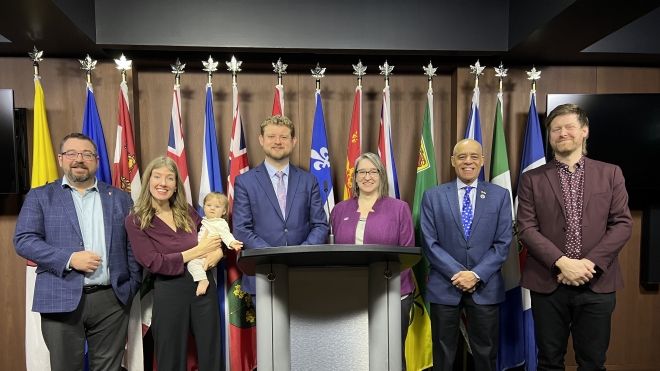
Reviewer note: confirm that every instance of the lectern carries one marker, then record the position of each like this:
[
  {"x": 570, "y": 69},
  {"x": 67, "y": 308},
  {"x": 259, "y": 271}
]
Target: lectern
[{"x": 328, "y": 307}]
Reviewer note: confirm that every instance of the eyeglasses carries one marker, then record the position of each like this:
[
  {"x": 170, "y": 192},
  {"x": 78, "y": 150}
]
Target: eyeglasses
[
  {"x": 72, "y": 155},
  {"x": 372, "y": 172}
]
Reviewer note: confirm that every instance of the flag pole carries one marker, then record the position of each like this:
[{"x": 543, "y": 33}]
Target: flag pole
[
  {"x": 36, "y": 57},
  {"x": 429, "y": 71},
  {"x": 476, "y": 70},
  {"x": 386, "y": 70},
  {"x": 280, "y": 69},
  {"x": 210, "y": 66},
  {"x": 123, "y": 65},
  {"x": 234, "y": 66},
  {"x": 360, "y": 70},
  {"x": 533, "y": 75},
  {"x": 88, "y": 64},
  {"x": 318, "y": 73},
  {"x": 501, "y": 73},
  {"x": 178, "y": 69}
]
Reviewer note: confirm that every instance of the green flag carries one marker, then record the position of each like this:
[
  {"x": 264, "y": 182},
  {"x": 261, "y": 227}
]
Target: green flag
[{"x": 419, "y": 350}]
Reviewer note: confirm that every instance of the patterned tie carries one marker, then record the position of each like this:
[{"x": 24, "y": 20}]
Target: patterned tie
[
  {"x": 281, "y": 191},
  {"x": 466, "y": 214}
]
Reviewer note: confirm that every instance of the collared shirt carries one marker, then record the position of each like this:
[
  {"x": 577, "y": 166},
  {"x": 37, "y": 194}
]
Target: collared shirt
[
  {"x": 271, "y": 174},
  {"x": 572, "y": 189},
  {"x": 461, "y": 193},
  {"x": 90, "y": 218}
]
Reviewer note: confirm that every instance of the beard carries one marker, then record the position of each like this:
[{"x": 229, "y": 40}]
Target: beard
[
  {"x": 78, "y": 178},
  {"x": 277, "y": 156}
]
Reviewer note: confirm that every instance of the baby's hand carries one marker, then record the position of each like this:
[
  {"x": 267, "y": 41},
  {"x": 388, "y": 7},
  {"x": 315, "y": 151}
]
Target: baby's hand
[{"x": 236, "y": 245}]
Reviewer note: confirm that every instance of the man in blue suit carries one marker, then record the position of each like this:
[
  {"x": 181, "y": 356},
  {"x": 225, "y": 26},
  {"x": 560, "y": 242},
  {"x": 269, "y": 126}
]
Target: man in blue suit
[
  {"x": 276, "y": 203},
  {"x": 73, "y": 229},
  {"x": 466, "y": 228}
]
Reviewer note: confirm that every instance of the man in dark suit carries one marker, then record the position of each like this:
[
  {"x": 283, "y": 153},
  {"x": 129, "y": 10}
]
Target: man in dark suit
[
  {"x": 573, "y": 217},
  {"x": 73, "y": 229},
  {"x": 466, "y": 229},
  {"x": 276, "y": 203}
]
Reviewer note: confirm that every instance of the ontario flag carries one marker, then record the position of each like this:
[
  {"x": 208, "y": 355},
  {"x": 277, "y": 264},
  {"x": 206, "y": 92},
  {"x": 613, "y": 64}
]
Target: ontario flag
[
  {"x": 278, "y": 100},
  {"x": 126, "y": 176},
  {"x": 353, "y": 149},
  {"x": 92, "y": 128},
  {"x": 385, "y": 150},
  {"x": 533, "y": 156},
  {"x": 473, "y": 129},
  {"x": 44, "y": 171},
  {"x": 511, "y": 344},
  {"x": 240, "y": 311},
  {"x": 175, "y": 145}
]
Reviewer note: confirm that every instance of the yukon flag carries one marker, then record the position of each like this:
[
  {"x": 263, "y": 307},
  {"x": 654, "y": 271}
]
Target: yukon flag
[
  {"x": 278, "y": 100},
  {"x": 211, "y": 179},
  {"x": 126, "y": 176},
  {"x": 92, "y": 128},
  {"x": 353, "y": 148},
  {"x": 319, "y": 161},
  {"x": 241, "y": 313},
  {"x": 533, "y": 156},
  {"x": 511, "y": 351},
  {"x": 175, "y": 145},
  {"x": 385, "y": 150},
  {"x": 418, "y": 347},
  {"x": 473, "y": 129},
  {"x": 44, "y": 170}
]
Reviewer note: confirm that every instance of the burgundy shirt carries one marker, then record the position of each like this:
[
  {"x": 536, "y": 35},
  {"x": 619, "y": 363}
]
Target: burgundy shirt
[
  {"x": 572, "y": 189},
  {"x": 158, "y": 248}
]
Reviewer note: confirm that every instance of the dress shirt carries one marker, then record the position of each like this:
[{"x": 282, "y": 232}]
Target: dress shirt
[{"x": 271, "y": 174}]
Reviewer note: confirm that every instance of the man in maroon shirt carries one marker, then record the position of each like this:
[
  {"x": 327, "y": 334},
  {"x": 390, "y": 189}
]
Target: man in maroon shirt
[{"x": 573, "y": 217}]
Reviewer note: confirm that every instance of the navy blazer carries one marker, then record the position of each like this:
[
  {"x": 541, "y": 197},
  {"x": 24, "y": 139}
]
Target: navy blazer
[
  {"x": 48, "y": 232},
  {"x": 447, "y": 250},
  {"x": 257, "y": 218}
]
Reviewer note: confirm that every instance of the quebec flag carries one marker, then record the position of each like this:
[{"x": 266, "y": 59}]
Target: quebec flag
[{"x": 319, "y": 161}]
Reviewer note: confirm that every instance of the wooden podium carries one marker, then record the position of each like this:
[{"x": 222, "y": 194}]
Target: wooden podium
[{"x": 328, "y": 307}]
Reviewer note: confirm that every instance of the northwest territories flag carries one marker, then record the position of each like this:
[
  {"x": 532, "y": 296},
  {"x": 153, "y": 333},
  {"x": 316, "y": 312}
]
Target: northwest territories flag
[
  {"x": 319, "y": 161},
  {"x": 533, "y": 156}
]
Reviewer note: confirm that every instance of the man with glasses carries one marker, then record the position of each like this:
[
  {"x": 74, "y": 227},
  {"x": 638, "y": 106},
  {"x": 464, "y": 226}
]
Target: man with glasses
[
  {"x": 276, "y": 203},
  {"x": 73, "y": 229},
  {"x": 466, "y": 231}
]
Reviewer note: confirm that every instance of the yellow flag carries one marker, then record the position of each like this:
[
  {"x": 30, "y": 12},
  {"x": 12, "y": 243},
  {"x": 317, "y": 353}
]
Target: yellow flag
[
  {"x": 44, "y": 167},
  {"x": 418, "y": 348}
]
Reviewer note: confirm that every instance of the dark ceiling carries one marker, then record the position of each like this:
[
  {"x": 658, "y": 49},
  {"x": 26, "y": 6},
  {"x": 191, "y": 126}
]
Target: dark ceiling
[{"x": 518, "y": 32}]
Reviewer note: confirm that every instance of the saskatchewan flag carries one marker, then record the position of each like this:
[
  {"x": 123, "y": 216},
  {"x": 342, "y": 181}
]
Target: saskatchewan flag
[{"x": 419, "y": 351}]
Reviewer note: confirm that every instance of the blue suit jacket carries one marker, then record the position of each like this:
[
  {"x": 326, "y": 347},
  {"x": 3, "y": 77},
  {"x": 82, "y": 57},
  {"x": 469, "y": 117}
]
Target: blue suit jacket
[
  {"x": 448, "y": 251},
  {"x": 258, "y": 220},
  {"x": 48, "y": 232}
]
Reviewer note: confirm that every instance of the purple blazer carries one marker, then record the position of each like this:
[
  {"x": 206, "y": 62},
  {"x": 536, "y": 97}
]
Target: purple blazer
[{"x": 389, "y": 224}]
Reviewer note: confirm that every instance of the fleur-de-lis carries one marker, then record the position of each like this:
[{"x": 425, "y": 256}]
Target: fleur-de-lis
[{"x": 321, "y": 158}]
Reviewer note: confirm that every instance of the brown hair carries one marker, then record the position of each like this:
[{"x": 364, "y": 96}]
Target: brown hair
[
  {"x": 223, "y": 200},
  {"x": 384, "y": 187},
  {"x": 279, "y": 120},
  {"x": 569, "y": 109}
]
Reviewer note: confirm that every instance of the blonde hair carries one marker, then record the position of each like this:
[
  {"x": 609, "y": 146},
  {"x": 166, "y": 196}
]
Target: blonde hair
[
  {"x": 279, "y": 120},
  {"x": 144, "y": 210},
  {"x": 223, "y": 200},
  {"x": 384, "y": 187}
]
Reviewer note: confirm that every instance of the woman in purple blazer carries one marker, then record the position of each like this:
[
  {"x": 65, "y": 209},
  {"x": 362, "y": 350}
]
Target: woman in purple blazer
[{"x": 372, "y": 217}]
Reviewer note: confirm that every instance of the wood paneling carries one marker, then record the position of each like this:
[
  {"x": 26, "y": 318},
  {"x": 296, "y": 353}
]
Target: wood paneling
[{"x": 636, "y": 329}]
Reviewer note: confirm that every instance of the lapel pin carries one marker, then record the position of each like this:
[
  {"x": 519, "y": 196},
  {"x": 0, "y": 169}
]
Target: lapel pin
[{"x": 482, "y": 196}]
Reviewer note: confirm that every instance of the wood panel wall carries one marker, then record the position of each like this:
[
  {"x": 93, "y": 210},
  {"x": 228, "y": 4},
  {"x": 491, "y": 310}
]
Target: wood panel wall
[{"x": 636, "y": 330}]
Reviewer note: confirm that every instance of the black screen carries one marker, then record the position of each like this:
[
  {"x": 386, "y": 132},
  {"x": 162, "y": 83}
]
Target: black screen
[{"x": 624, "y": 129}]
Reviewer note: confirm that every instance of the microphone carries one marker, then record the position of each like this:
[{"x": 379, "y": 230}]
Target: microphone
[{"x": 331, "y": 237}]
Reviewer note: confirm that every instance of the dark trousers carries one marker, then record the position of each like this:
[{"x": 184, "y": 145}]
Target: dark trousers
[
  {"x": 178, "y": 311},
  {"x": 482, "y": 327},
  {"x": 101, "y": 319},
  {"x": 578, "y": 311}
]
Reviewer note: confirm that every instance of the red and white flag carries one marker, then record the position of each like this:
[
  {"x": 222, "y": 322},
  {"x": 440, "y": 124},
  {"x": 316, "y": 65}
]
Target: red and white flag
[
  {"x": 278, "y": 100},
  {"x": 175, "y": 145},
  {"x": 353, "y": 149}
]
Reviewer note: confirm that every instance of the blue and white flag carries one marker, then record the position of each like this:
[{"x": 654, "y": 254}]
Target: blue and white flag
[
  {"x": 533, "y": 156},
  {"x": 92, "y": 128},
  {"x": 319, "y": 161},
  {"x": 385, "y": 149},
  {"x": 473, "y": 129},
  {"x": 211, "y": 179}
]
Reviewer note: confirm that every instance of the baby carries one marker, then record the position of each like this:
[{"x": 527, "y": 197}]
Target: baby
[{"x": 214, "y": 222}]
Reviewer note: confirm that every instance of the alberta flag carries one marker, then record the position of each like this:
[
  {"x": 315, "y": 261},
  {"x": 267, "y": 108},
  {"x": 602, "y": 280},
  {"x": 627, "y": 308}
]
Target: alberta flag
[
  {"x": 211, "y": 178},
  {"x": 533, "y": 156},
  {"x": 319, "y": 161},
  {"x": 473, "y": 129},
  {"x": 92, "y": 128},
  {"x": 511, "y": 341},
  {"x": 385, "y": 150},
  {"x": 175, "y": 144}
]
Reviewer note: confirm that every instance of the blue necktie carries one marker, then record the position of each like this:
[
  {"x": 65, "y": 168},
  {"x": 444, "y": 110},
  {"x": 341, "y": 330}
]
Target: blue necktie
[
  {"x": 281, "y": 191},
  {"x": 466, "y": 214}
]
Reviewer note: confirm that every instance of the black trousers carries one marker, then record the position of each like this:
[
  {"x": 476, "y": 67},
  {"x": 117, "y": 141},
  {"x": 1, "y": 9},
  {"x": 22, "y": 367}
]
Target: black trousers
[
  {"x": 100, "y": 319},
  {"x": 178, "y": 311},
  {"x": 482, "y": 325},
  {"x": 578, "y": 311}
]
